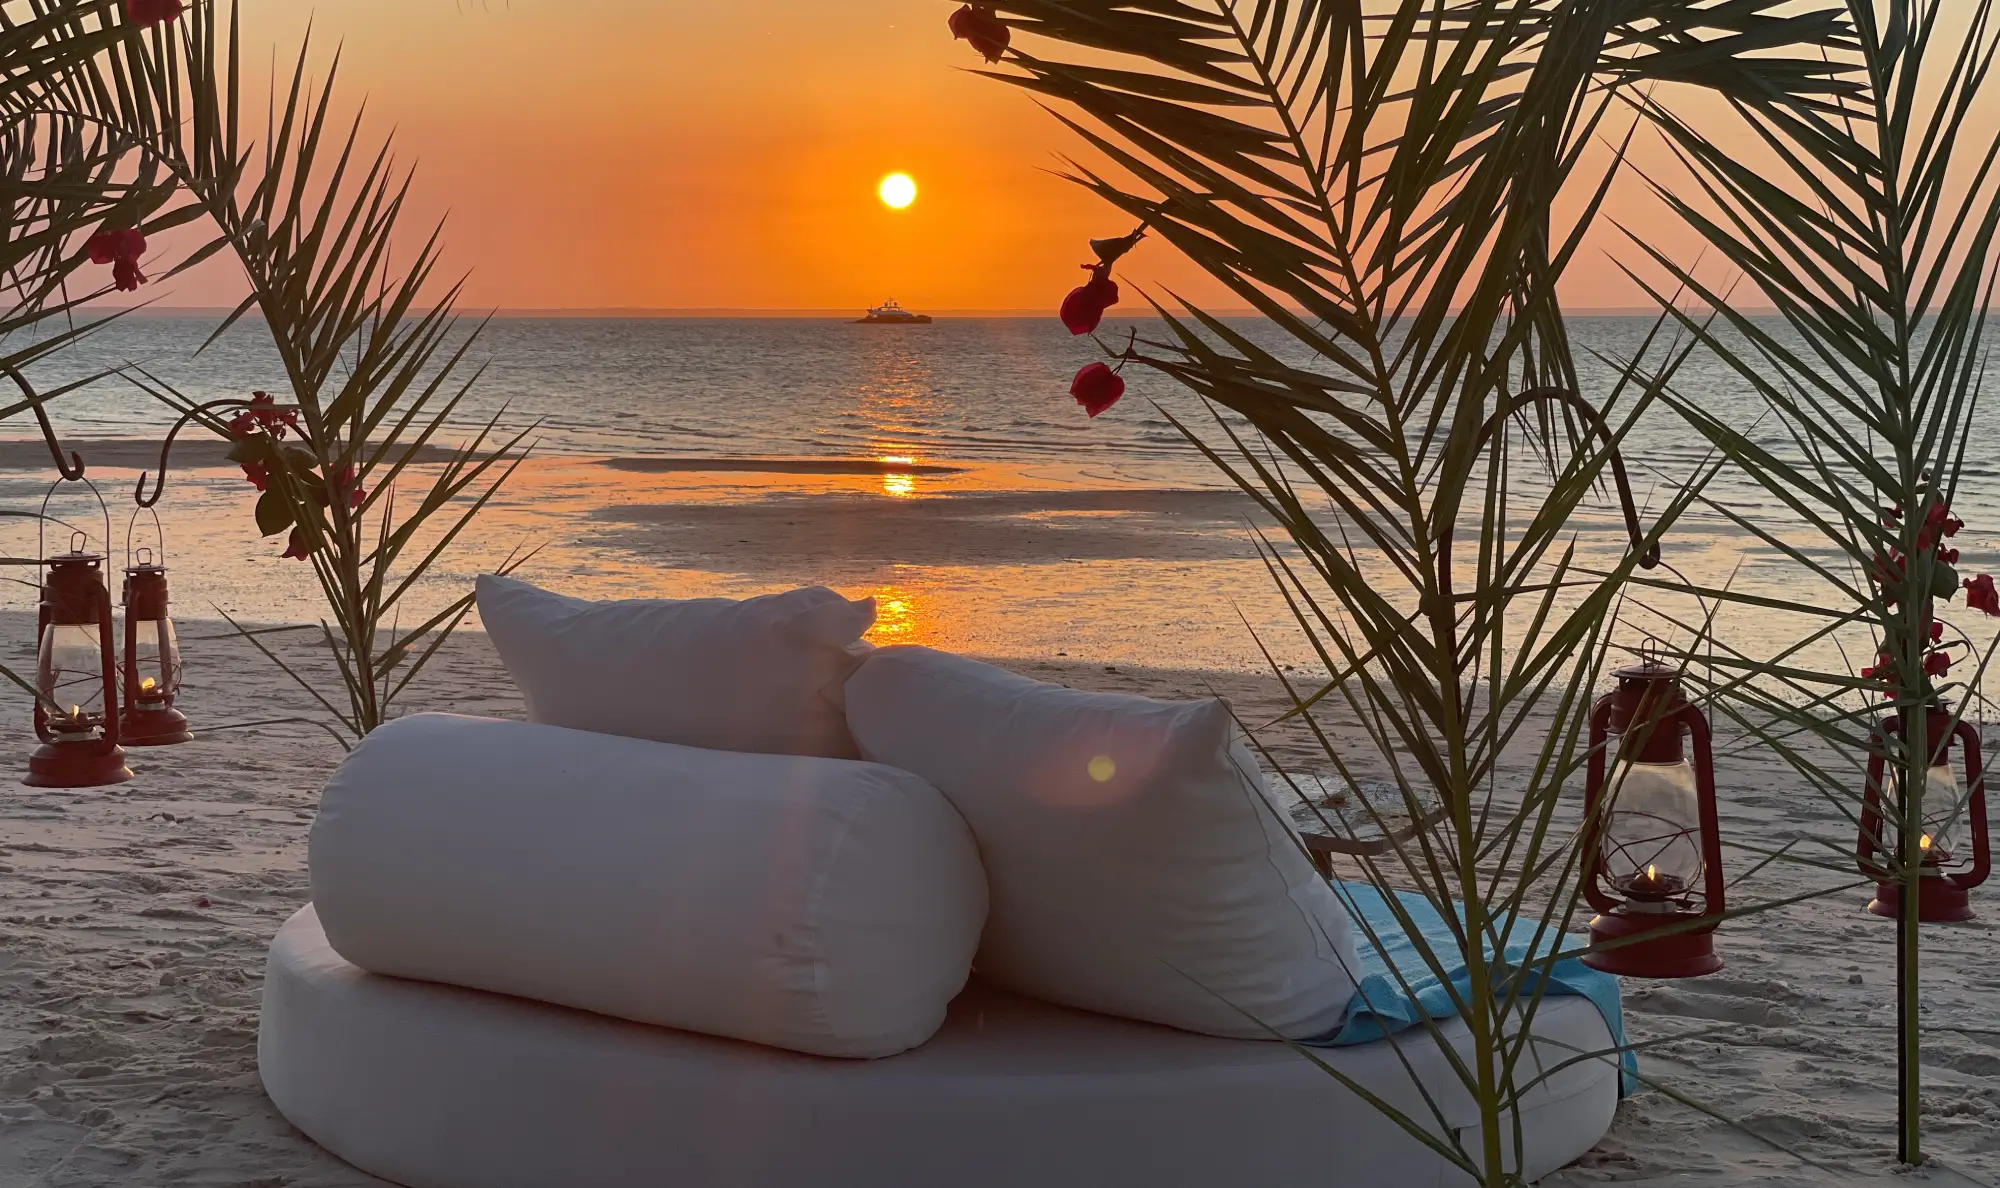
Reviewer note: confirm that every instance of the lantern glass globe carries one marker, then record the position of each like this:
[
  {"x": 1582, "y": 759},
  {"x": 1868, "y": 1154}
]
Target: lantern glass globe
[
  {"x": 1652, "y": 834},
  {"x": 69, "y": 670},
  {"x": 1944, "y": 803}
]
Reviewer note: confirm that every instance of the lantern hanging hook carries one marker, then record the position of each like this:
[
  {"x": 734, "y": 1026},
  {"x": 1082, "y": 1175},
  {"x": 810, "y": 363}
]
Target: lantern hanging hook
[
  {"x": 72, "y": 469},
  {"x": 42, "y": 521},
  {"x": 159, "y": 533},
  {"x": 195, "y": 412}
]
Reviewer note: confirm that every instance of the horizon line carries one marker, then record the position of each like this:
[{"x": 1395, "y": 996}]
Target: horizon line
[{"x": 668, "y": 313}]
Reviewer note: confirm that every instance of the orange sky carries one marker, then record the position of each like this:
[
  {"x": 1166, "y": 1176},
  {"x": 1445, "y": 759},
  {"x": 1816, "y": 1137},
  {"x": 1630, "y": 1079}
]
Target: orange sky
[{"x": 723, "y": 153}]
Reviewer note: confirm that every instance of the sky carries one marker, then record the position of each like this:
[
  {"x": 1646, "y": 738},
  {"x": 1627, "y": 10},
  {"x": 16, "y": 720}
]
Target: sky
[{"x": 724, "y": 154}]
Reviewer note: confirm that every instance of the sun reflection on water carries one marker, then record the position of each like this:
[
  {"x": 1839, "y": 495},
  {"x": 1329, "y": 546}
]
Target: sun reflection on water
[
  {"x": 898, "y": 486},
  {"x": 899, "y": 619}
]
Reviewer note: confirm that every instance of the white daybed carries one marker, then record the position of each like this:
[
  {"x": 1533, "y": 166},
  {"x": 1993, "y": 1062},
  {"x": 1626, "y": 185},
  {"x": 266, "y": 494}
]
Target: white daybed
[{"x": 433, "y": 1086}]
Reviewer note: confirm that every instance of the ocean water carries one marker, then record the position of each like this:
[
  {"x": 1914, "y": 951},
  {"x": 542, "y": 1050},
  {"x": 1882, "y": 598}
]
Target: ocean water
[{"x": 1027, "y": 530}]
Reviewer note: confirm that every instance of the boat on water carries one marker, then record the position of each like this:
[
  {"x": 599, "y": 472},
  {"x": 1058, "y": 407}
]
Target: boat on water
[{"x": 891, "y": 314}]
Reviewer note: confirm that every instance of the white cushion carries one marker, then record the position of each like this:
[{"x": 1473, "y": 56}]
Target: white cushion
[
  {"x": 1136, "y": 861},
  {"x": 436, "y": 1087},
  {"x": 763, "y": 674},
  {"x": 822, "y": 905}
]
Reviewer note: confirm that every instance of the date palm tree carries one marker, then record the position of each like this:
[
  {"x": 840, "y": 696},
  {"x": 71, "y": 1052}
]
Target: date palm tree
[
  {"x": 67, "y": 170},
  {"x": 1869, "y": 227},
  {"x": 374, "y": 355},
  {"x": 1380, "y": 181}
]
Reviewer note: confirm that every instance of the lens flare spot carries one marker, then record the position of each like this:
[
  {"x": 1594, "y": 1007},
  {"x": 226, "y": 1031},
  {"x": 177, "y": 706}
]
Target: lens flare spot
[{"x": 1102, "y": 768}]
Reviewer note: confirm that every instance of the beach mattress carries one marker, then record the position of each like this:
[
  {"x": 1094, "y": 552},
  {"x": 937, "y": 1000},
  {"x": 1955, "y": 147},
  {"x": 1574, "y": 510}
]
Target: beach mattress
[{"x": 433, "y": 1086}]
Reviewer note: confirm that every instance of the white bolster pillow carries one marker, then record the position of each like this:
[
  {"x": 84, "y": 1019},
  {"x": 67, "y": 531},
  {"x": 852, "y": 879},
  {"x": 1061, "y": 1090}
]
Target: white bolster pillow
[{"x": 822, "y": 905}]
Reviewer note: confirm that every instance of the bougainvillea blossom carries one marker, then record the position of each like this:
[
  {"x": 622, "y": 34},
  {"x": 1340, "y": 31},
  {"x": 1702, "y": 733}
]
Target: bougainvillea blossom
[
  {"x": 1097, "y": 387},
  {"x": 1084, "y": 308},
  {"x": 1981, "y": 596},
  {"x": 146, "y": 13},
  {"x": 976, "y": 25}
]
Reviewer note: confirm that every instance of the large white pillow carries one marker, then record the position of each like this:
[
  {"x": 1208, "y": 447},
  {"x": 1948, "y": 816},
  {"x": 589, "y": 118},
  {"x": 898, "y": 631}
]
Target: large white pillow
[
  {"x": 822, "y": 905},
  {"x": 1136, "y": 862},
  {"x": 763, "y": 674}
]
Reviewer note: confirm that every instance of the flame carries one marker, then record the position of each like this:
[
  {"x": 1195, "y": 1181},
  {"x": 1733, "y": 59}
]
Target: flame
[
  {"x": 76, "y": 711},
  {"x": 148, "y": 685},
  {"x": 1652, "y": 873},
  {"x": 1924, "y": 842}
]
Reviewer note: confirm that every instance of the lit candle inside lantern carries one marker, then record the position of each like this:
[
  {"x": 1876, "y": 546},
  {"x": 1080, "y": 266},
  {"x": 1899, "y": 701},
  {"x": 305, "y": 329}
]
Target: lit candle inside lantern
[{"x": 1651, "y": 890}]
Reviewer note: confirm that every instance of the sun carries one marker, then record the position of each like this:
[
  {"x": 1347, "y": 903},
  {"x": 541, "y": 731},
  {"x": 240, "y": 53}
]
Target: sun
[{"x": 897, "y": 190}]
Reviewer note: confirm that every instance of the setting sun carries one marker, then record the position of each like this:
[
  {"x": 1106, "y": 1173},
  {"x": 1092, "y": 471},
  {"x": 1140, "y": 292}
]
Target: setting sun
[{"x": 897, "y": 190}]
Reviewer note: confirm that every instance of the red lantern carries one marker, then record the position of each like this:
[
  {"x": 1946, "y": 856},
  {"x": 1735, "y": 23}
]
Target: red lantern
[
  {"x": 1950, "y": 868},
  {"x": 152, "y": 660},
  {"x": 1651, "y": 838},
  {"x": 76, "y": 675}
]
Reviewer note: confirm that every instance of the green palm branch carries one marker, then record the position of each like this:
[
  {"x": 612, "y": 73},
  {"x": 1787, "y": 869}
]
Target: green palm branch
[
  {"x": 67, "y": 169},
  {"x": 374, "y": 355},
  {"x": 1377, "y": 181},
  {"x": 1869, "y": 227}
]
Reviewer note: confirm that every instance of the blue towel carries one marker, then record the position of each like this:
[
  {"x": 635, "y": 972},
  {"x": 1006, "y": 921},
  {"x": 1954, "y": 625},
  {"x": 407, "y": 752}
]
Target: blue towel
[{"x": 1381, "y": 1007}]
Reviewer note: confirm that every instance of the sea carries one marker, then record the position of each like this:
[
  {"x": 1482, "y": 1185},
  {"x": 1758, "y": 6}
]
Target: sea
[{"x": 942, "y": 469}]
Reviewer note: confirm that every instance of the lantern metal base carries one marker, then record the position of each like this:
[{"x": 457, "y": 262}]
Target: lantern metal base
[
  {"x": 76, "y": 765},
  {"x": 1677, "y": 955},
  {"x": 1939, "y": 901},
  {"x": 161, "y": 727}
]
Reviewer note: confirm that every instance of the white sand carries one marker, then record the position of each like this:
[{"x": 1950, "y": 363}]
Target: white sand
[{"x": 133, "y": 923}]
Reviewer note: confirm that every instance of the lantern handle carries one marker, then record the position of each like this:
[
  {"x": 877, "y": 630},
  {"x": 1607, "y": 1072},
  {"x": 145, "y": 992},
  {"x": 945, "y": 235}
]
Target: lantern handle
[
  {"x": 1975, "y": 779},
  {"x": 42, "y": 521},
  {"x": 70, "y": 470},
  {"x": 158, "y": 531}
]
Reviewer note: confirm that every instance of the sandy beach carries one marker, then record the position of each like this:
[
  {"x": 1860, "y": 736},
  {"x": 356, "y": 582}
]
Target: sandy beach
[{"x": 133, "y": 922}]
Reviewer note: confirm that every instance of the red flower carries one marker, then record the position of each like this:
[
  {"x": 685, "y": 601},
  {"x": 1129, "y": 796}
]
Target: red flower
[
  {"x": 121, "y": 250},
  {"x": 295, "y": 548},
  {"x": 1980, "y": 594},
  {"x": 1097, "y": 387},
  {"x": 975, "y": 23},
  {"x": 1948, "y": 556},
  {"x": 1951, "y": 526},
  {"x": 1937, "y": 632},
  {"x": 107, "y": 246},
  {"x": 344, "y": 481},
  {"x": 146, "y": 13},
  {"x": 1937, "y": 664},
  {"x": 258, "y": 475},
  {"x": 1084, "y": 308},
  {"x": 1881, "y": 670},
  {"x": 125, "y": 274},
  {"x": 103, "y": 246},
  {"x": 1935, "y": 514},
  {"x": 262, "y": 414}
]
